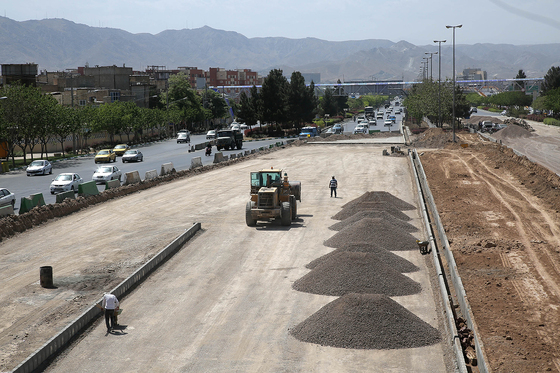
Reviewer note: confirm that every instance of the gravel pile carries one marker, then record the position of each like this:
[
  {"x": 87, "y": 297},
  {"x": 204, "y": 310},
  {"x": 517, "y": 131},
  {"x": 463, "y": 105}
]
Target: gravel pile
[
  {"x": 366, "y": 321},
  {"x": 394, "y": 261},
  {"x": 376, "y": 231},
  {"x": 374, "y": 214},
  {"x": 380, "y": 196},
  {"x": 354, "y": 272},
  {"x": 512, "y": 132},
  {"x": 347, "y": 212}
]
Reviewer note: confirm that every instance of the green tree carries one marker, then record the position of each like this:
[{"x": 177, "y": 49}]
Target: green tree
[
  {"x": 551, "y": 80},
  {"x": 216, "y": 105},
  {"x": 182, "y": 100},
  {"x": 552, "y": 100},
  {"x": 521, "y": 75},
  {"x": 67, "y": 122},
  {"x": 328, "y": 103},
  {"x": 274, "y": 97},
  {"x": 246, "y": 111},
  {"x": 301, "y": 100}
]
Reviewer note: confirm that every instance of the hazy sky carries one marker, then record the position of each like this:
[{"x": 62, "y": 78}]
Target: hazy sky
[{"x": 416, "y": 21}]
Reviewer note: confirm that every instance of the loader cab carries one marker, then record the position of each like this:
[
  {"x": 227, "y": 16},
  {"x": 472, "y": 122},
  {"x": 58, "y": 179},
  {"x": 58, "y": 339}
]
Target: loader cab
[{"x": 268, "y": 178}]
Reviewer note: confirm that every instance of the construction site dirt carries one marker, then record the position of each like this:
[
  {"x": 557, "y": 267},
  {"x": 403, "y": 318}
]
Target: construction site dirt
[
  {"x": 225, "y": 301},
  {"x": 501, "y": 215}
]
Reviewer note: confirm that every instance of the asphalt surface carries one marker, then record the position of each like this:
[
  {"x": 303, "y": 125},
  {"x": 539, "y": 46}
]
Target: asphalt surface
[
  {"x": 225, "y": 301},
  {"x": 155, "y": 154}
]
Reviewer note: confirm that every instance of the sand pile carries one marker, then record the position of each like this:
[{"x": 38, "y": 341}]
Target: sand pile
[
  {"x": 512, "y": 132},
  {"x": 366, "y": 321},
  {"x": 433, "y": 138},
  {"x": 347, "y": 212},
  {"x": 355, "y": 272},
  {"x": 394, "y": 261},
  {"x": 373, "y": 231},
  {"x": 380, "y": 196},
  {"x": 374, "y": 214}
]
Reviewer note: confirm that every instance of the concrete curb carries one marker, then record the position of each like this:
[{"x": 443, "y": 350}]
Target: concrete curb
[
  {"x": 60, "y": 341},
  {"x": 460, "y": 292},
  {"x": 151, "y": 174},
  {"x": 131, "y": 177},
  {"x": 166, "y": 168}
]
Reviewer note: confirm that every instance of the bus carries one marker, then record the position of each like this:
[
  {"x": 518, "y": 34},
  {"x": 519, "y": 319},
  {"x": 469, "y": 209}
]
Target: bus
[{"x": 369, "y": 111}]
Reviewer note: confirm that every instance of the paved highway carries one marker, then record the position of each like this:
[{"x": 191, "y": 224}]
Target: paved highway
[{"x": 155, "y": 154}]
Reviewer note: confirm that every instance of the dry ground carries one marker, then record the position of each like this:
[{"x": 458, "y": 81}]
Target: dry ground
[
  {"x": 225, "y": 301},
  {"x": 501, "y": 214}
]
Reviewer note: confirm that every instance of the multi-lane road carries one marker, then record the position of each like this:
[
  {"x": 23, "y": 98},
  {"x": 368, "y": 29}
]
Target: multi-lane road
[{"x": 155, "y": 154}]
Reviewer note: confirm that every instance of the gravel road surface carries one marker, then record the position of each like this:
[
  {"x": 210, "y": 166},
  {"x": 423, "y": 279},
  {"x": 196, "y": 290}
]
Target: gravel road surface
[{"x": 225, "y": 301}]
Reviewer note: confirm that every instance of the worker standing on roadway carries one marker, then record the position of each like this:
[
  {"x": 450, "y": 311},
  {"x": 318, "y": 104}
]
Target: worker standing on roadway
[
  {"x": 333, "y": 184},
  {"x": 110, "y": 304}
]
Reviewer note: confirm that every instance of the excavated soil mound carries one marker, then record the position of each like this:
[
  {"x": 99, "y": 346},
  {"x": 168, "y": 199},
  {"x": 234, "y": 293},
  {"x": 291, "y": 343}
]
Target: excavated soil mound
[
  {"x": 347, "y": 212},
  {"x": 380, "y": 196},
  {"x": 512, "y": 132},
  {"x": 394, "y": 261},
  {"x": 374, "y": 214},
  {"x": 433, "y": 138},
  {"x": 380, "y": 233},
  {"x": 366, "y": 321},
  {"x": 353, "y": 272}
]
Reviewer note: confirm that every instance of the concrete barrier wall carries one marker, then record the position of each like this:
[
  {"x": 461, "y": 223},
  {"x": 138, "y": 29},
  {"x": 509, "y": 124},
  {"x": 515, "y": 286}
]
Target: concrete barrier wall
[
  {"x": 200, "y": 146},
  {"x": 112, "y": 184},
  {"x": 166, "y": 168},
  {"x": 233, "y": 156},
  {"x": 88, "y": 189},
  {"x": 132, "y": 177},
  {"x": 6, "y": 210},
  {"x": 59, "y": 341},
  {"x": 151, "y": 174},
  {"x": 225, "y": 157},
  {"x": 196, "y": 162},
  {"x": 65, "y": 195},
  {"x": 452, "y": 266},
  {"x": 218, "y": 157},
  {"x": 37, "y": 199},
  {"x": 25, "y": 204}
]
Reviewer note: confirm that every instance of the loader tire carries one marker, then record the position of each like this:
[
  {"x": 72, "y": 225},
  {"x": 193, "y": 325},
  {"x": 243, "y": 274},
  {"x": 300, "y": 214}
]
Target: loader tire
[
  {"x": 248, "y": 216},
  {"x": 286, "y": 214},
  {"x": 293, "y": 205}
]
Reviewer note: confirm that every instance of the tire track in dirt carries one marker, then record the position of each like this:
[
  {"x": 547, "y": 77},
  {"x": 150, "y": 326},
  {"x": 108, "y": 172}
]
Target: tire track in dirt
[{"x": 508, "y": 204}]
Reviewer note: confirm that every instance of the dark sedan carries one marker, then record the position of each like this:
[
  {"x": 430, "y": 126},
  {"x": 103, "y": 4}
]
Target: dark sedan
[{"x": 132, "y": 155}]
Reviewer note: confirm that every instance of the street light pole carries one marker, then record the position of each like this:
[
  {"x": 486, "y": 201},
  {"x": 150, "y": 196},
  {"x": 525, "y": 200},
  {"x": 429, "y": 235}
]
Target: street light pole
[
  {"x": 454, "y": 27},
  {"x": 439, "y": 80},
  {"x": 431, "y": 63}
]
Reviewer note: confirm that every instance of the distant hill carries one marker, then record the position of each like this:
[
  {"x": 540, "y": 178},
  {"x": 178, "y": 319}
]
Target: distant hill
[{"x": 58, "y": 44}]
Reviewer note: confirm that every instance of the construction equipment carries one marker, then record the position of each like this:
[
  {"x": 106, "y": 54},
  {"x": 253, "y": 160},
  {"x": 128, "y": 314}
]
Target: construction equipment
[{"x": 272, "y": 197}]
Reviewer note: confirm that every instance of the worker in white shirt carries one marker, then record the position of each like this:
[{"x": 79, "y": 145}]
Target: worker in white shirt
[{"x": 110, "y": 304}]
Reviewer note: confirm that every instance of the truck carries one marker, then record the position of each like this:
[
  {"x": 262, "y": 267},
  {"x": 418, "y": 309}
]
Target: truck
[
  {"x": 229, "y": 139},
  {"x": 272, "y": 197},
  {"x": 308, "y": 132}
]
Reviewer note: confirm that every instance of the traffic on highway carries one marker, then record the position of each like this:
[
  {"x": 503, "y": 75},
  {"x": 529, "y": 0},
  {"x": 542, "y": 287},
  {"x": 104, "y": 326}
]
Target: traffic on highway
[{"x": 67, "y": 174}]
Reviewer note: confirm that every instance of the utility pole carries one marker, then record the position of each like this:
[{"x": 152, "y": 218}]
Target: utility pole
[
  {"x": 439, "y": 80},
  {"x": 454, "y": 27}
]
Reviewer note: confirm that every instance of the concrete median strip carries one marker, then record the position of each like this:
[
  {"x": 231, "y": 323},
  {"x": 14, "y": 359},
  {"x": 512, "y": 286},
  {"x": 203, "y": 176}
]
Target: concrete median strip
[
  {"x": 88, "y": 189},
  {"x": 132, "y": 177},
  {"x": 196, "y": 162},
  {"x": 27, "y": 203},
  {"x": 6, "y": 210},
  {"x": 112, "y": 184},
  {"x": 166, "y": 168},
  {"x": 65, "y": 195},
  {"x": 218, "y": 157},
  {"x": 59, "y": 341},
  {"x": 151, "y": 174}
]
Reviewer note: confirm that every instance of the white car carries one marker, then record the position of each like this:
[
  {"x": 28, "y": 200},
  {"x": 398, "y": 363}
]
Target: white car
[
  {"x": 7, "y": 198},
  {"x": 243, "y": 126},
  {"x": 388, "y": 122},
  {"x": 40, "y": 167},
  {"x": 106, "y": 173},
  {"x": 360, "y": 128},
  {"x": 211, "y": 135},
  {"x": 65, "y": 182}
]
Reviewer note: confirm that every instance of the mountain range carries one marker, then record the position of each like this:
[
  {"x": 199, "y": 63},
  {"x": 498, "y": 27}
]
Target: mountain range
[{"x": 59, "y": 44}]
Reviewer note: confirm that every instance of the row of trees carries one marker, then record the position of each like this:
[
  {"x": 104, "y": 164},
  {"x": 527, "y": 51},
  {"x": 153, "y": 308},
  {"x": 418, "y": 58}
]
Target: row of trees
[
  {"x": 279, "y": 101},
  {"x": 429, "y": 100},
  {"x": 29, "y": 118}
]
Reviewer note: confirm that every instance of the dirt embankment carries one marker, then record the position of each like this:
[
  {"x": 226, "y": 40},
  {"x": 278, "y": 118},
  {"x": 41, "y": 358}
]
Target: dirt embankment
[{"x": 501, "y": 213}]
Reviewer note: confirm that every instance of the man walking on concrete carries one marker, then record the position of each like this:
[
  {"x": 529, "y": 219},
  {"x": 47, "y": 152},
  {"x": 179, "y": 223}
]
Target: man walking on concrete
[
  {"x": 110, "y": 304},
  {"x": 333, "y": 185}
]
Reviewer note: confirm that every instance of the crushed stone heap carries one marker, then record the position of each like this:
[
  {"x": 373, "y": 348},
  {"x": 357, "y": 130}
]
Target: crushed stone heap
[
  {"x": 374, "y": 214},
  {"x": 366, "y": 321},
  {"x": 354, "y": 272},
  {"x": 512, "y": 132},
  {"x": 373, "y": 231},
  {"x": 394, "y": 261},
  {"x": 380, "y": 196},
  {"x": 347, "y": 212}
]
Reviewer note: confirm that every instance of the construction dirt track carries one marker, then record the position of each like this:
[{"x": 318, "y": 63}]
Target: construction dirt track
[
  {"x": 500, "y": 212},
  {"x": 501, "y": 215}
]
